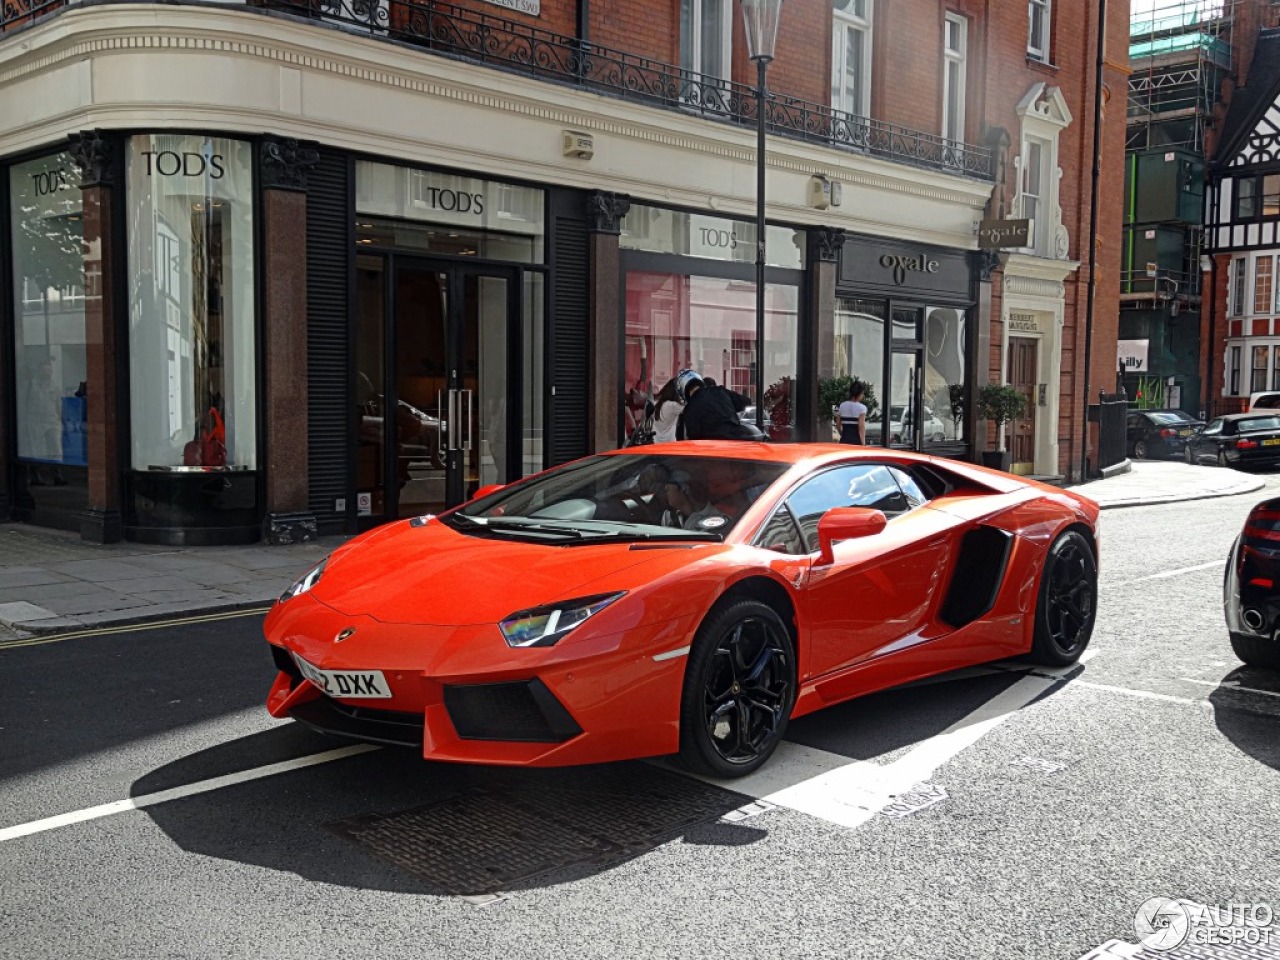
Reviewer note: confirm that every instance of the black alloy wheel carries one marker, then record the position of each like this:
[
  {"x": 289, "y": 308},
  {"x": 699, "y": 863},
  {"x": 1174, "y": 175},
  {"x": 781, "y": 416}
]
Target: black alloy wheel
[
  {"x": 1222, "y": 457},
  {"x": 1188, "y": 454},
  {"x": 739, "y": 688},
  {"x": 1068, "y": 603},
  {"x": 1140, "y": 449}
]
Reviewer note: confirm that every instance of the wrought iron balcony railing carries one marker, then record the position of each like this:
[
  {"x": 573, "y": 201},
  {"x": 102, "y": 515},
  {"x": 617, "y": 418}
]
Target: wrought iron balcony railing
[{"x": 481, "y": 37}]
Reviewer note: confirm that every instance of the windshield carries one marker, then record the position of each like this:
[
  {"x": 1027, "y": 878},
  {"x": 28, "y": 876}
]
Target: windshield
[{"x": 623, "y": 498}]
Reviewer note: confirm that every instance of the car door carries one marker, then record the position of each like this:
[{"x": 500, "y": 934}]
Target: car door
[
  {"x": 880, "y": 589},
  {"x": 1207, "y": 442},
  {"x": 1135, "y": 428}
]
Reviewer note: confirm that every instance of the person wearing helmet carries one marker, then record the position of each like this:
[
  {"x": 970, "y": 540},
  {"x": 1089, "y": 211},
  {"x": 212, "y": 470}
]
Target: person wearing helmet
[{"x": 710, "y": 411}]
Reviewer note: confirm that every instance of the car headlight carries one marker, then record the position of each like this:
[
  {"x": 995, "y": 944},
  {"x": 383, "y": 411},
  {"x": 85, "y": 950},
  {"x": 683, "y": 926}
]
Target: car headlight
[
  {"x": 306, "y": 582},
  {"x": 545, "y": 626}
]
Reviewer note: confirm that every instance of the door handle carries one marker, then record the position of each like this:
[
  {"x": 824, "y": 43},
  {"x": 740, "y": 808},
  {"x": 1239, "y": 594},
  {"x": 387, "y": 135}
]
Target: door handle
[
  {"x": 442, "y": 416},
  {"x": 467, "y": 398}
]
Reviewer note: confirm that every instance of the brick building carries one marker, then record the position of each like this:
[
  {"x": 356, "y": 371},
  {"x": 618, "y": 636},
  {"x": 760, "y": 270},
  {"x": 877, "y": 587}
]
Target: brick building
[
  {"x": 299, "y": 265},
  {"x": 1240, "y": 325}
]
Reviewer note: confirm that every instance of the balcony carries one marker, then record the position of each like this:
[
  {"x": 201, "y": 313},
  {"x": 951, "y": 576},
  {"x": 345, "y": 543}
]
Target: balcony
[{"x": 479, "y": 37}]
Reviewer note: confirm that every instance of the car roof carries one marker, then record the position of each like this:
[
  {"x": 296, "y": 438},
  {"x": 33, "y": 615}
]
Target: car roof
[{"x": 1250, "y": 415}]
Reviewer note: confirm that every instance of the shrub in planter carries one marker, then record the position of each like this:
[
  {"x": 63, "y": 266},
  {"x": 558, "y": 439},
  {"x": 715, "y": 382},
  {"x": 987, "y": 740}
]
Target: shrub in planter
[{"x": 1000, "y": 403}]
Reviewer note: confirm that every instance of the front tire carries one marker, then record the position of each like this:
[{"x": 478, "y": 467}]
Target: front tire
[
  {"x": 1068, "y": 601},
  {"x": 739, "y": 689}
]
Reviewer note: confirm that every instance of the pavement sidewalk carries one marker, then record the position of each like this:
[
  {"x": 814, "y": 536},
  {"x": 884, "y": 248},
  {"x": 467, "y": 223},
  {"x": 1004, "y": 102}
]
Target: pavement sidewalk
[{"x": 53, "y": 582}]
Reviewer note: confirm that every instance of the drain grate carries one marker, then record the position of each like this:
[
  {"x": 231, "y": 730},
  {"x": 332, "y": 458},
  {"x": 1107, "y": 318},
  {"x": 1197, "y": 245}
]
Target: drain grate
[{"x": 505, "y": 835}]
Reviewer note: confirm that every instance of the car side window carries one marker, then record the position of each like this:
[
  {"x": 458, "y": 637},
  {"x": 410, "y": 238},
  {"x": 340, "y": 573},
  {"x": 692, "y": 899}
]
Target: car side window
[
  {"x": 782, "y": 534},
  {"x": 1135, "y": 421},
  {"x": 869, "y": 485},
  {"x": 911, "y": 490}
]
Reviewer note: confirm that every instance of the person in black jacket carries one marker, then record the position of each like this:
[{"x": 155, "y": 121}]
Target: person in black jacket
[{"x": 710, "y": 412}]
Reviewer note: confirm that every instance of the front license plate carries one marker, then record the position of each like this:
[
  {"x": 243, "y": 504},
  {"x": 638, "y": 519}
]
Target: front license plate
[
  {"x": 348, "y": 684},
  {"x": 1273, "y": 442}
]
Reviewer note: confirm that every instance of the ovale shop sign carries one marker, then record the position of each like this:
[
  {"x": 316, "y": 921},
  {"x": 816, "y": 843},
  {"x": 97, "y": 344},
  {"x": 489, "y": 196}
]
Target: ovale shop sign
[{"x": 900, "y": 267}]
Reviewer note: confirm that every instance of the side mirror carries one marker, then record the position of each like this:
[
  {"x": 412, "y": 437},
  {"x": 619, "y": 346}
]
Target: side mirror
[
  {"x": 487, "y": 489},
  {"x": 846, "y": 523}
]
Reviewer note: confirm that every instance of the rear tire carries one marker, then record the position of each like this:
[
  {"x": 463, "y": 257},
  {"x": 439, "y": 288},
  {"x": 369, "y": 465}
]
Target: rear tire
[
  {"x": 1140, "y": 449},
  {"x": 1257, "y": 651},
  {"x": 739, "y": 690},
  {"x": 1188, "y": 455},
  {"x": 1222, "y": 458},
  {"x": 1068, "y": 601}
]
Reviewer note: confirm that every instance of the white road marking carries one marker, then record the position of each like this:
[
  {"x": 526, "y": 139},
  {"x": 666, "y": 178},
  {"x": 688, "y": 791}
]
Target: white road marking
[
  {"x": 829, "y": 787},
  {"x": 1230, "y": 685},
  {"x": 177, "y": 793},
  {"x": 1143, "y": 694},
  {"x": 1213, "y": 564}
]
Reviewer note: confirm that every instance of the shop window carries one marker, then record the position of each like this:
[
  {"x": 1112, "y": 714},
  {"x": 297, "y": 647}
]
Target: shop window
[
  {"x": 1258, "y": 381},
  {"x": 1038, "y": 25},
  {"x": 192, "y": 321},
  {"x": 955, "y": 54},
  {"x": 47, "y": 233},
  {"x": 944, "y": 373},
  {"x": 851, "y": 56},
  {"x": 858, "y": 352},
  {"x": 1262, "y": 279},
  {"x": 676, "y": 322}
]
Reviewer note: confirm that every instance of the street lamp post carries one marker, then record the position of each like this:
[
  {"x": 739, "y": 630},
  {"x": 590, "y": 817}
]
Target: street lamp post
[{"x": 760, "y": 17}]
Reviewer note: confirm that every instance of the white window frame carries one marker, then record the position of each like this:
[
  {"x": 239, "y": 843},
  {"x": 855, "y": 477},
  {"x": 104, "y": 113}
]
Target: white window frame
[
  {"x": 1038, "y": 47},
  {"x": 957, "y": 57},
  {"x": 858, "y": 101},
  {"x": 1236, "y": 286},
  {"x": 726, "y": 33},
  {"x": 1039, "y": 215},
  {"x": 1044, "y": 114}
]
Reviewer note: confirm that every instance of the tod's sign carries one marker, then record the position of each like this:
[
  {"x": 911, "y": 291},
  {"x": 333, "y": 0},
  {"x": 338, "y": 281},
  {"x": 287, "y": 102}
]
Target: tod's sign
[{"x": 891, "y": 267}]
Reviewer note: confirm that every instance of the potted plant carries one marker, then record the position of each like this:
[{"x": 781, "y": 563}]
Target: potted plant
[{"x": 1000, "y": 403}]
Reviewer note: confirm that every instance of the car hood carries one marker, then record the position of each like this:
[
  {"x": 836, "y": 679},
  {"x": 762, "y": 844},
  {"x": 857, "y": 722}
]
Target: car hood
[{"x": 434, "y": 575}]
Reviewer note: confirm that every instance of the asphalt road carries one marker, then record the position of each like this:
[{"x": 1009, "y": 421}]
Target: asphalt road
[{"x": 1052, "y": 807}]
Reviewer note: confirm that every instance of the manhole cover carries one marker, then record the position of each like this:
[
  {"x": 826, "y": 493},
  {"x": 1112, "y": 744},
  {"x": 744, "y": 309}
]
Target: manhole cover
[{"x": 504, "y": 836}]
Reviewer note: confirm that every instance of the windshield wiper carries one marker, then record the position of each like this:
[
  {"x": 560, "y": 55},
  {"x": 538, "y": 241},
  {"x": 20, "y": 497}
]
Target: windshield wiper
[
  {"x": 623, "y": 536},
  {"x": 514, "y": 525}
]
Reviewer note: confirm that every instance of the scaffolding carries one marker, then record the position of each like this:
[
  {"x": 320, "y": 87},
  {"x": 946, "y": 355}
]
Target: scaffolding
[{"x": 1180, "y": 53}]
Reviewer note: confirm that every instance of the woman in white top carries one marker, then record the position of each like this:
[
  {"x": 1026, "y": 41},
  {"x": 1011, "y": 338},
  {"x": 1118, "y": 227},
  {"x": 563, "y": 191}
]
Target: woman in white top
[
  {"x": 853, "y": 416},
  {"x": 667, "y": 413}
]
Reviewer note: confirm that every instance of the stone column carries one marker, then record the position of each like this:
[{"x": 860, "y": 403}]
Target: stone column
[
  {"x": 825, "y": 244},
  {"x": 97, "y": 154},
  {"x": 604, "y": 399},
  {"x": 284, "y": 166}
]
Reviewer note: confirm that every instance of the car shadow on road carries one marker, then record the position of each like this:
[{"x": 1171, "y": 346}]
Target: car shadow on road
[
  {"x": 1247, "y": 711},
  {"x": 387, "y": 820}
]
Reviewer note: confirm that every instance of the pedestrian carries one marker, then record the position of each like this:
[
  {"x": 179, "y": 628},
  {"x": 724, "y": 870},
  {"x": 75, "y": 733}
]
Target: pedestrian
[
  {"x": 666, "y": 414},
  {"x": 710, "y": 412},
  {"x": 852, "y": 416}
]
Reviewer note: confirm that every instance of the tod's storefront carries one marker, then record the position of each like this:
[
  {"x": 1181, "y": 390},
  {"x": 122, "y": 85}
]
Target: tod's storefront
[{"x": 218, "y": 339}]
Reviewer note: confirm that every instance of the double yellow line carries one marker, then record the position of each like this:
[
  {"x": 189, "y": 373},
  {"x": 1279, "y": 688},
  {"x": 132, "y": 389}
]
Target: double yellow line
[{"x": 131, "y": 628}]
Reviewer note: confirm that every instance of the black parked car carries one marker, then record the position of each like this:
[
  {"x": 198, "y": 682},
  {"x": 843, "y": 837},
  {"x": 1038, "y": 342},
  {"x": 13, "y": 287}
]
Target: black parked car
[
  {"x": 1159, "y": 433},
  {"x": 1251, "y": 601},
  {"x": 1237, "y": 440}
]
